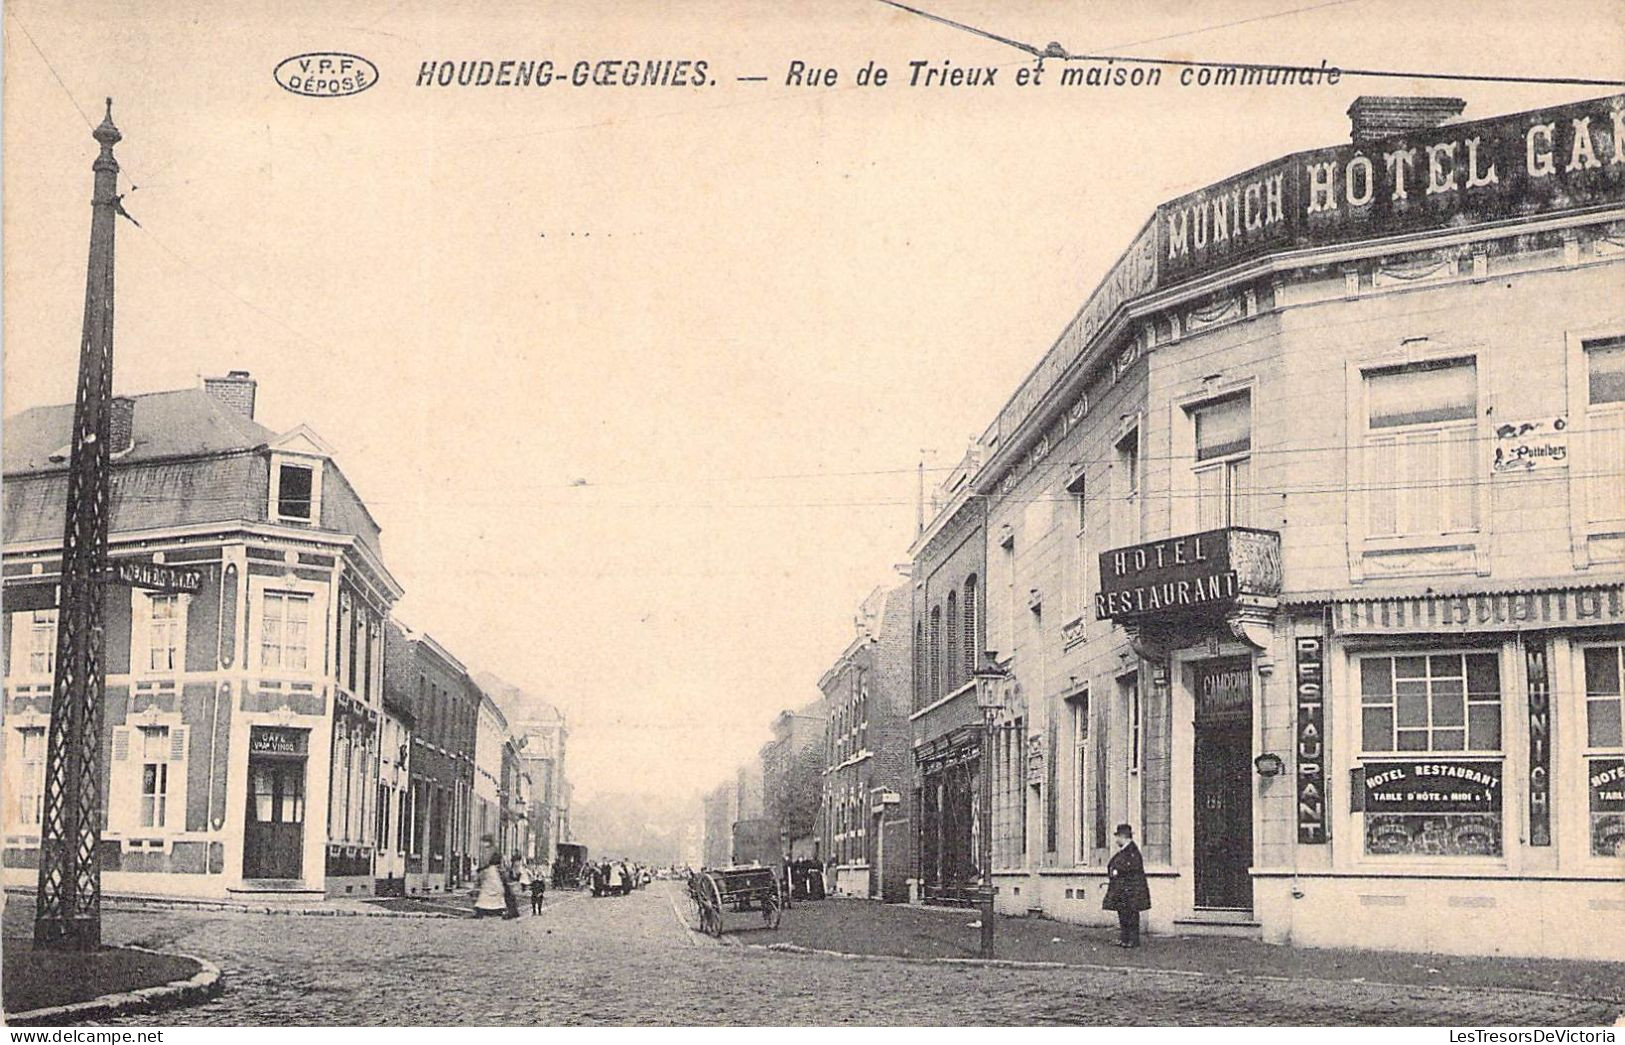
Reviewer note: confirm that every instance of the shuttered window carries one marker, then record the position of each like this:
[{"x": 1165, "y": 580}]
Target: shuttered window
[
  {"x": 1420, "y": 477},
  {"x": 1605, "y": 431}
]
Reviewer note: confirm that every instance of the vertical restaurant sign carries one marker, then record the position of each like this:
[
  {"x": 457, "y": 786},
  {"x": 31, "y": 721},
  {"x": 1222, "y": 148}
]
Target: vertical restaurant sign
[
  {"x": 1309, "y": 652},
  {"x": 1540, "y": 746},
  {"x": 1561, "y": 158}
]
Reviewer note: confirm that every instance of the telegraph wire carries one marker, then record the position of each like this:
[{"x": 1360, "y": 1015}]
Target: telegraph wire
[
  {"x": 1055, "y": 50},
  {"x": 75, "y": 102}
]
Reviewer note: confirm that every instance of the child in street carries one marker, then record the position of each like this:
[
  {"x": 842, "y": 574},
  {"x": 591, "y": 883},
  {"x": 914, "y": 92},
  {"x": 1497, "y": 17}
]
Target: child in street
[{"x": 538, "y": 890}]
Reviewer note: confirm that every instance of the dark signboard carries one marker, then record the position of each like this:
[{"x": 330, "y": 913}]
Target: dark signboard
[
  {"x": 1224, "y": 687},
  {"x": 1309, "y": 652},
  {"x": 155, "y": 576},
  {"x": 1549, "y": 160},
  {"x": 1540, "y": 746},
  {"x": 23, "y": 595},
  {"x": 1200, "y": 571},
  {"x": 1607, "y": 785},
  {"x": 1433, "y": 786},
  {"x": 275, "y": 740}
]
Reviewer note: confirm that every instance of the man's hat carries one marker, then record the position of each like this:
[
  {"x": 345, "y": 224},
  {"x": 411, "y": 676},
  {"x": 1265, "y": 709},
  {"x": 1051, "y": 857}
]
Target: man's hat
[{"x": 1125, "y": 830}]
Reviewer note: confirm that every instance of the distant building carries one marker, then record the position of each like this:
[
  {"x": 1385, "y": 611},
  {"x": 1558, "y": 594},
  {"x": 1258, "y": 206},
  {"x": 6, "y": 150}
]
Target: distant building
[
  {"x": 424, "y": 678},
  {"x": 866, "y": 771},
  {"x": 721, "y": 810},
  {"x": 792, "y": 779},
  {"x": 543, "y": 736},
  {"x": 241, "y": 731}
]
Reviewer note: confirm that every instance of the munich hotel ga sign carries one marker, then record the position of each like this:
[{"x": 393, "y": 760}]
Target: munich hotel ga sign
[
  {"x": 1559, "y": 159},
  {"x": 1565, "y": 158}
]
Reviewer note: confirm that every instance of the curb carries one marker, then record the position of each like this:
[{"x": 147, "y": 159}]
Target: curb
[
  {"x": 1013, "y": 963},
  {"x": 206, "y": 984},
  {"x": 140, "y": 904}
]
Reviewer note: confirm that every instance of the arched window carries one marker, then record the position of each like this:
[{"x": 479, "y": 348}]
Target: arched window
[
  {"x": 919, "y": 665},
  {"x": 950, "y": 670},
  {"x": 934, "y": 667},
  {"x": 972, "y": 649}
]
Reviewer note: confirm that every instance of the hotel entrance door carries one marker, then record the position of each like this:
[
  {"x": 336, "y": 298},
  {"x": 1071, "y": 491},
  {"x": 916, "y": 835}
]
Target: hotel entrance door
[
  {"x": 274, "y": 827},
  {"x": 1223, "y": 796}
]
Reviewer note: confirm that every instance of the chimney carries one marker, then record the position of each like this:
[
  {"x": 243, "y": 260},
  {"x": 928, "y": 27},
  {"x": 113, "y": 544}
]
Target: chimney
[
  {"x": 236, "y": 390},
  {"x": 121, "y": 425},
  {"x": 1373, "y": 117}
]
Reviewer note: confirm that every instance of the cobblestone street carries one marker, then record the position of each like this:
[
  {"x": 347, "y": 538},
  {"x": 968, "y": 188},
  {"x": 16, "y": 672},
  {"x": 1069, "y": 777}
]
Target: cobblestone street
[{"x": 631, "y": 961}]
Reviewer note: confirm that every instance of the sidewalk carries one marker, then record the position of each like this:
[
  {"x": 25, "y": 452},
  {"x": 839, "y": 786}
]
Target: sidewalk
[{"x": 870, "y": 928}]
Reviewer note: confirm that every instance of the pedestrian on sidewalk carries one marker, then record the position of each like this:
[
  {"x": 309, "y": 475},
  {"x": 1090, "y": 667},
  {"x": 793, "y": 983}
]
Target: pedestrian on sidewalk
[
  {"x": 1127, "y": 891},
  {"x": 490, "y": 891},
  {"x": 538, "y": 891},
  {"x": 510, "y": 887}
]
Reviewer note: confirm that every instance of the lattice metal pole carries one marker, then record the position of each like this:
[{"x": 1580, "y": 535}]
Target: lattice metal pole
[{"x": 68, "y": 905}]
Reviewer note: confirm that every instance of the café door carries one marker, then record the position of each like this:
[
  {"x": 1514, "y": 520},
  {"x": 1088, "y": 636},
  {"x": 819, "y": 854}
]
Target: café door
[
  {"x": 1223, "y": 778},
  {"x": 274, "y": 834}
]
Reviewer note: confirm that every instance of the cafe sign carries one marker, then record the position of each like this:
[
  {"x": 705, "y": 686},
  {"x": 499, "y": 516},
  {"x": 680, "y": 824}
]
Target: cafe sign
[
  {"x": 1214, "y": 570},
  {"x": 275, "y": 740},
  {"x": 155, "y": 576},
  {"x": 1433, "y": 786}
]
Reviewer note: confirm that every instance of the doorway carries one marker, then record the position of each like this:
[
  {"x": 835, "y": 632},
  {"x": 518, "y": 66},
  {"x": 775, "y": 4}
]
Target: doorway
[
  {"x": 1223, "y": 779},
  {"x": 274, "y": 832}
]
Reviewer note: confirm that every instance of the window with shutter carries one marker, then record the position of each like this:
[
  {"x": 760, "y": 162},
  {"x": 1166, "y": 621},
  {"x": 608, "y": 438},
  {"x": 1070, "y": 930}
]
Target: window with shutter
[
  {"x": 1605, "y": 433},
  {"x": 1420, "y": 474}
]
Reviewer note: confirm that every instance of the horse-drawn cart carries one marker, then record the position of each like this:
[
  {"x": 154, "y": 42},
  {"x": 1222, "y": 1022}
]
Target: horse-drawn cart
[{"x": 735, "y": 889}]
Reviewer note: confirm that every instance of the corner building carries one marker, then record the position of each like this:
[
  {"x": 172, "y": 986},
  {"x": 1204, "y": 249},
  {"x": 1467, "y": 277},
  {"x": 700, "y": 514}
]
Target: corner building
[{"x": 1306, "y": 542}]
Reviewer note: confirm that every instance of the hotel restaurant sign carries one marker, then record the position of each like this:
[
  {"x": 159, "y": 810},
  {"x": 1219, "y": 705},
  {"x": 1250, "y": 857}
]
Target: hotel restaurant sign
[
  {"x": 1216, "y": 570},
  {"x": 1549, "y": 160}
]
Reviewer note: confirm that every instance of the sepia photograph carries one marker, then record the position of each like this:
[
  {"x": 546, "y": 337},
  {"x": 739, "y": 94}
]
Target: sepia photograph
[{"x": 849, "y": 513}]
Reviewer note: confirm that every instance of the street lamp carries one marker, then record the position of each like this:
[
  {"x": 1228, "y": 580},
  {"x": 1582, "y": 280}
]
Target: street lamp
[{"x": 991, "y": 684}]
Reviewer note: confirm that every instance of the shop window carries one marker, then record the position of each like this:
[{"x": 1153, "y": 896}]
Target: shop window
[
  {"x": 1223, "y": 470},
  {"x": 165, "y": 629},
  {"x": 1603, "y": 697},
  {"x": 1436, "y": 702},
  {"x": 1432, "y": 705},
  {"x": 284, "y": 623},
  {"x": 1605, "y": 432},
  {"x": 1420, "y": 476}
]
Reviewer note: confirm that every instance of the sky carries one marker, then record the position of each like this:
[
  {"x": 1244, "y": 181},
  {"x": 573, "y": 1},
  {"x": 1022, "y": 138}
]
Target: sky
[{"x": 636, "y": 380}]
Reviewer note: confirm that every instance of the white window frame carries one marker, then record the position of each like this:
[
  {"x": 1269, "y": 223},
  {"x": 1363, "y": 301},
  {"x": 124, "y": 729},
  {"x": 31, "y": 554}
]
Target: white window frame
[
  {"x": 1078, "y": 711},
  {"x": 126, "y": 779},
  {"x": 1128, "y": 485},
  {"x": 24, "y": 631},
  {"x": 1600, "y": 750},
  {"x": 1587, "y": 454},
  {"x": 141, "y": 632},
  {"x": 1189, "y": 484},
  {"x": 286, "y": 598},
  {"x": 274, "y": 509},
  {"x": 1471, "y": 545},
  {"x": 33, "y": 769},
  {"x": 1503, "y": 699}
]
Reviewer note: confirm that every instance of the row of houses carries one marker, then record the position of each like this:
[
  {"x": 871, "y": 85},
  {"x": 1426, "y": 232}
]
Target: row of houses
[
  {"x": 269, "y": 727},
  {"x": 1301, "y": 551}
]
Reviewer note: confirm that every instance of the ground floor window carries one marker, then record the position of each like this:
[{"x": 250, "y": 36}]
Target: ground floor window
[{"x": 1009, "y": 766}]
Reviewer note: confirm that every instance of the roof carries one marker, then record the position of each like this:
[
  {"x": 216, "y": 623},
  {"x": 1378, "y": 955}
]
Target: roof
[
  {"x": 519, "y": 706},
  {"x": 185, "y": 422}
]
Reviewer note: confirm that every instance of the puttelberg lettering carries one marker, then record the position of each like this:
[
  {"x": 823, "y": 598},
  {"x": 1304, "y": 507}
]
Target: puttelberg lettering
[{"x": 1167, "y": 595}]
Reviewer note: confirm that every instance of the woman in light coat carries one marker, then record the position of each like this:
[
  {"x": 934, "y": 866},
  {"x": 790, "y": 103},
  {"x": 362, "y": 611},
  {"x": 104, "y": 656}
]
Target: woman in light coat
[{"x": 490, "y": 890}]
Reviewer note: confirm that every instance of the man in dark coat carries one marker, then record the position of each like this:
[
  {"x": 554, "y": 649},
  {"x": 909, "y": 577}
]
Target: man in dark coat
[{"x": 1126, "y": 890}]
